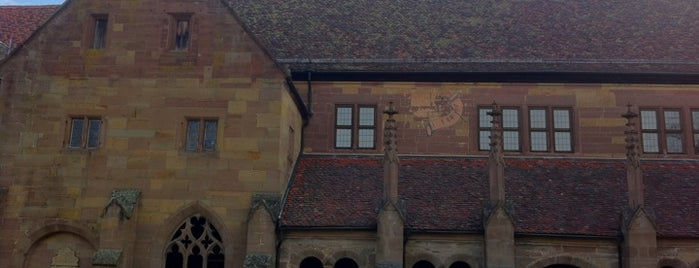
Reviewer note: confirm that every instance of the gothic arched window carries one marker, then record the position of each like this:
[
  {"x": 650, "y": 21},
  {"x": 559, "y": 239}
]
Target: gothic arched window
[{"x": 195, "y": 244}]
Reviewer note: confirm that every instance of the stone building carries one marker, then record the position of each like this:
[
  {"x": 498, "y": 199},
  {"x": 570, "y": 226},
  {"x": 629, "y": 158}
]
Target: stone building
[{"x": 263, "y": 133}]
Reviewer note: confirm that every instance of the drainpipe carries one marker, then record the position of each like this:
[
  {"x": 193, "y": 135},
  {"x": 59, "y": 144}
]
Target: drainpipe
[{"x": 310, "y": 93}]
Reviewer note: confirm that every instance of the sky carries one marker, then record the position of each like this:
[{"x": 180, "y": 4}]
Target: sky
[{"x": 30, "y": 2}]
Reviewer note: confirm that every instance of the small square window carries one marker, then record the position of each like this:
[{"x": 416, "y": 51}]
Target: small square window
[
  {"x": 85, "y": 133},
  {"x": 661, "y": 131},
  {"x": 99, "y": 37},
  {"x": 510, "y": 126},
  {"x": 201, "y": 135},
  {"x": 355, "y": 127}
]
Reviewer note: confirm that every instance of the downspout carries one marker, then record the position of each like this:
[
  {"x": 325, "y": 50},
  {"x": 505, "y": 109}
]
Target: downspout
[
  {"x": 310, "y": 92},
  {"x": 619, "y": 252}
]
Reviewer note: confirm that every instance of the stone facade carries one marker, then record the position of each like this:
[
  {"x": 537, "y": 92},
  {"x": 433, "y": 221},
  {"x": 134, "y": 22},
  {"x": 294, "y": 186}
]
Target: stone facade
[
  {"x": 144, "y": 92},
  {"x": 128, "y": 201}
]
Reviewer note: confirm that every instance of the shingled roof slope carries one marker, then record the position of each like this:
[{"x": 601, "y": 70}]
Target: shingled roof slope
[
  {"x": 17, "y": 23},
  {"x": 546, "y": 196},
  {"x": 457, "y": 35}
]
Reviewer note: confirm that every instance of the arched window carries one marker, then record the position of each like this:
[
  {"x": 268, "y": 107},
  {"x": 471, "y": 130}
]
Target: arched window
[
  {"x": 311, "y": 262},
  {"x": 561, "y": 266},
  {"x": 423, "y": 264},
  {"x": 196, "y": 244},
  {"x": 346, "y": 263},
  {"x": 459, "y": 264}
]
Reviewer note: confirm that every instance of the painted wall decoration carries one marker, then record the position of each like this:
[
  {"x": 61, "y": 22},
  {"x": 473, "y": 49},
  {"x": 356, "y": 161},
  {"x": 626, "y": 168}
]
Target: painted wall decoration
[{"x": 451, "y": 111}]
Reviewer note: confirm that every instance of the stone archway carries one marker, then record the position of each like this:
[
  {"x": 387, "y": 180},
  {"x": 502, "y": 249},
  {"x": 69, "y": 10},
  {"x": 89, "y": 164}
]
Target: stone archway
[{"x": 561, "y": 261}]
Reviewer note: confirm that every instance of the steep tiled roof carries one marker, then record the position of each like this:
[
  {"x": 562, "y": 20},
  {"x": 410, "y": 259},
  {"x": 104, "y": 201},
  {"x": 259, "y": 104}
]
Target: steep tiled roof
[
  {"x": 457, "y": 35},
  {"x": 644, "y": 36},
  {"x": 545, "y": 196},
  {"x": 18, "y": 22}
]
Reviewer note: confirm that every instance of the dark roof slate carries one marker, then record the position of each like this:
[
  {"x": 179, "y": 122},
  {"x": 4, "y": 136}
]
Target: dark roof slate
[
  {"x": 455, "y": 35},
  {"x": 17, "y": 23},
  {"x": 545, "y": 196}
]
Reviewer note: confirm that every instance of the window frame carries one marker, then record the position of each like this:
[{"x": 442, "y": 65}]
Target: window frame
[
  {"x": 176, "y": 18},
  {"x": 661, "y": 130},
  {"x": 201, "y": 134},
  {"x": 550, "y": 129},
  {"x": 85, "y": 135},
  {"x": 96, "y": 33},
  {"x": 355, "y": 127},
  {"x": 489, "y": 128}
]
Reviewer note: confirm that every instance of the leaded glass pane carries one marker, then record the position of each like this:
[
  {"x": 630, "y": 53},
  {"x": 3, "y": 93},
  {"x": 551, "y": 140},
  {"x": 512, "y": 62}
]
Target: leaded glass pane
[
  {"x": 561, "y": 119},
  {"x": 538, "y": 141},
  {"x": 511, "y": 140},
  {"x": 562, "y": 142},
  {"x": 210, "y": 128},
  {"x": 674, "y": 142},
  {"x": 93, "y": 135},
  {"x": 649, "y": 120},
  {"x": 76, "y": 133},
  {"x": 650, "y": 143},
  {"x": 672, "y": 120},
  {"x": 484, "y": 140},
  {"x": 192, "y": 142},
  {"x": 366, "y": 138},
  {"x": 695, "y": 120},
  {"x": 484, "y": 120},
  {"x": 344, "y": 116},
  {"x": 696, "y": 143},
  {"x": 510, "y": 118},
  {"x": 343, "y": 138},
  {"x": 537, "y": 119},
  {"x": 366, "y": 116}
]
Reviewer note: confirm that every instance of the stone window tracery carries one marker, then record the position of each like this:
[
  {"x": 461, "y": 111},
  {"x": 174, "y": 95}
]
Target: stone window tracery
[{"x": 195, "y": 244}]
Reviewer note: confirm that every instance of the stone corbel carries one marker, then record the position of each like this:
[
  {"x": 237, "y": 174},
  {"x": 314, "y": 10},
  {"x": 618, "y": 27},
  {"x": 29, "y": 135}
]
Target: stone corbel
[
  {"x": 126, "y": 200},
  {"x": 106, "y": 257}
]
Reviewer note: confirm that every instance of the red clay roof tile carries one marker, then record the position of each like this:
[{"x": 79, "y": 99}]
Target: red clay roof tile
[{"x": 547, "y": 196}]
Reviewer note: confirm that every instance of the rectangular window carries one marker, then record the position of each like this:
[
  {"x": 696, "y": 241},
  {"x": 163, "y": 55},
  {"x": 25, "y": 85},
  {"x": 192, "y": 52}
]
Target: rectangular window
[
  {"x": 355, "y": 126},
  {"x": 550, "y": 129},
  {"x": 182, "y": 34},
  {"x": 510, "y": 125},
  {"x": 99, "y": 37},
  {"x": 201, "y": 135},
  {"x": 85, "y": 133},
  {"x": 661, "y": 131},
  {"x": 181, "y": 31}
]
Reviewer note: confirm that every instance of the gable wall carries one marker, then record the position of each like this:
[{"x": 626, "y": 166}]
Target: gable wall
[{"x": 144, "y": 92}]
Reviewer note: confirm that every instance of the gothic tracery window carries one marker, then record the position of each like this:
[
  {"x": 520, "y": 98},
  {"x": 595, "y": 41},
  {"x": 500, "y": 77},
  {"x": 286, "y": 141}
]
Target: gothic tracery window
[{"x": 195, "y": 244}]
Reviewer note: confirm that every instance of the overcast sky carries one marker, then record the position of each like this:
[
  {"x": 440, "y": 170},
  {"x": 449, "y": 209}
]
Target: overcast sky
[{"x": 30, "y": 2}]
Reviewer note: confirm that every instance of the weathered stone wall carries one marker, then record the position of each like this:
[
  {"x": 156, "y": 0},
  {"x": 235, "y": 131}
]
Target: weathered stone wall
[
  {"x": 582, "y": 252},
  {"x": 144, "y": 91},
  {"x": 328, "y": 247},
  {"x": 596, "y": 109}
]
